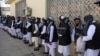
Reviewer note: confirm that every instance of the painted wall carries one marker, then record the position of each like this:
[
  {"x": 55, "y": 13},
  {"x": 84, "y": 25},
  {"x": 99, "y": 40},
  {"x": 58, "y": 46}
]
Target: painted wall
[
  {"x": 38, "y": 7},
  {"x": 6, "y": 13}
]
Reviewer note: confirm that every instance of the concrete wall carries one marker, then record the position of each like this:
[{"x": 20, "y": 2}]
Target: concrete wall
[{"x": 38, "y": 7}]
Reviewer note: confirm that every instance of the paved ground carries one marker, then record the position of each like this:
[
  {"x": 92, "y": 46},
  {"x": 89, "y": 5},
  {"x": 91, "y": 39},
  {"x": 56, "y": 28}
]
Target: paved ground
[{"x": 14, "y": 47}]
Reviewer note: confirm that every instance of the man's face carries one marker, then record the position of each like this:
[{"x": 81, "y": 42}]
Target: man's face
[
  {"x": 61, "y": 21},
  {"x": 23, "y": 19},
  {"x": 77, "y": 21}
]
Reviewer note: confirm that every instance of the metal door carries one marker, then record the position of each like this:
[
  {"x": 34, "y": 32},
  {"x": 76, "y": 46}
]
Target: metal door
[{"x": 20, "y": 7}]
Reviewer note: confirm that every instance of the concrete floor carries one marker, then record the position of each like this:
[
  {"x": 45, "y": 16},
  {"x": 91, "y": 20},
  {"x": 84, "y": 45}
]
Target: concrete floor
[{"x": 10, "y": 46}]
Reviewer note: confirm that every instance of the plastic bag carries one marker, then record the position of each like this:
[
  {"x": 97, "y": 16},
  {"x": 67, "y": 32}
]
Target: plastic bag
[{"x": 80, "y": 47}]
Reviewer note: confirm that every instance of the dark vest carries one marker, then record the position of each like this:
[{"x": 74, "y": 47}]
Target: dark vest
[
  {"x": 13, "y": 23},
  {"x": 95, "y": 42},
  {"x": 55, "y": 35},
  {"x": 33, "y": 28},
  {"x": 77, "y": 32},
  {"x": 29, "y": 29},
  {"x": 37, "y": 34},
  {"x": 66, "y": 38},
  {"x": 24, "y": 30},
  {"x": 39, "y": 27},
  {"x": 9, "y": 22},
  {"x": 21, "y": 26},
  {"x": 18, "y": 25},
  {"x": 43, "y": 36}
]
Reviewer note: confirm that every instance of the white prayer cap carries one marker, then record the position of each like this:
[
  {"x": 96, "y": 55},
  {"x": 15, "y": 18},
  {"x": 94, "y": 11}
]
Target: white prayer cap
[
  {"x": 62, "y": 17},
  {"x": 50, "y": 18},
  {"x": 29, "y": 17},
  {"x": 45, "y": 19},
  {"x": 23, "y": 16}
]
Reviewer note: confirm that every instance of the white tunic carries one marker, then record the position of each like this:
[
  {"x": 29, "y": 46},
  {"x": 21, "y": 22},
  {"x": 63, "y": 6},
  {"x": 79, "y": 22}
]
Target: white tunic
[
  {"x": 43, "y": 31},
  {"x": 53, "y": 44},
  {"x": 90, "y": 34}
]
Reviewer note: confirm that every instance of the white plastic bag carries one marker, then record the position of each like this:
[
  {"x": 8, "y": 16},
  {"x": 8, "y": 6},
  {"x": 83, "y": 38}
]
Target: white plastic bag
[{"x": 80, "y": 47}]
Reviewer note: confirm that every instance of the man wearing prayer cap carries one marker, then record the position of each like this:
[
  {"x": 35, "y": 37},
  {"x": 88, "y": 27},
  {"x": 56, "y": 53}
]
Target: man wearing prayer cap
[
  {"x": 64, "y": 36},
  {"x": 52, "y": 36}
]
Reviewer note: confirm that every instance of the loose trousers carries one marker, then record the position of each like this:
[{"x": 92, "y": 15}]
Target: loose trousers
[
  {"x": 91, "y": 52},
  {"x": 46, "y": 48},
  {"x": 13, "y": 31},
  {"x": 19, "y": 34},
  {"x": 29, "y": 37},
  {"x": 65, "y": 50},
  {"x": 36, "y": 41},
  {"x": 52, "y": 48}
]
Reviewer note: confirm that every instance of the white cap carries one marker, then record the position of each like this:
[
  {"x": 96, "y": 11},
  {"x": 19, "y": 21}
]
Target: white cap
[
  {"x": 45, "y": 18},
  {"x": 50, "y": 18},
  {"x": 29, "y": 17},
  {"x": 62, "y": 17}
]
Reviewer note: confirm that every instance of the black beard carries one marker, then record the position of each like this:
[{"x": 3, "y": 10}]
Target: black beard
[{"x": 77, "y": 24}]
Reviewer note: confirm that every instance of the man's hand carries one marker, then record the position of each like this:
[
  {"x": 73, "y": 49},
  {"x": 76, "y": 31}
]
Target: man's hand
[
  {"x": 60, "y": 35},
  {"x": 78, "y": 34}
]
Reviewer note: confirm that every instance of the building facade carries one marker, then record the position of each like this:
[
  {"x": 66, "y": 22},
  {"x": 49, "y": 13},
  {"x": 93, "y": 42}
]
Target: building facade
[
  {"x": 55, "y": 8},
  {"x": 38, "y": 7},
  {"x": 4, "y": 8}
]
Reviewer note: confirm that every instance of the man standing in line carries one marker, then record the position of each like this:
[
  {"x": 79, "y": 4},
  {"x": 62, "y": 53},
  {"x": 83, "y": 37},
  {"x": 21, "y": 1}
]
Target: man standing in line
[
  {"x": 92, "y": 37},
  {"x": 64, "y": 36},
  {"x": 52, "y": 36},
  {"x": 77, "y": 35}
]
